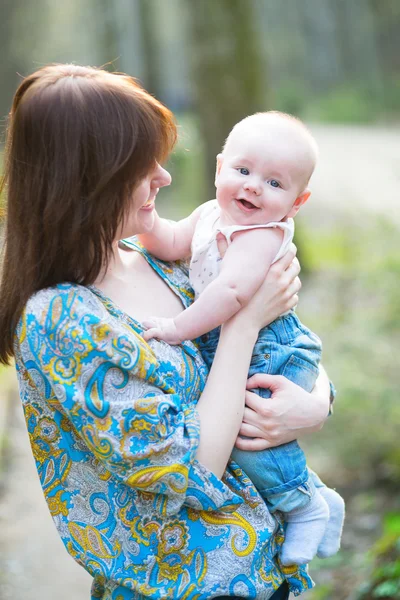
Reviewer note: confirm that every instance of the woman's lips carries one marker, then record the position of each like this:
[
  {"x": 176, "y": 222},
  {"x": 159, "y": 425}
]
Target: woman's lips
[
  {"x": 150, "y": 202},
  {"x": 149, "y": 206}
]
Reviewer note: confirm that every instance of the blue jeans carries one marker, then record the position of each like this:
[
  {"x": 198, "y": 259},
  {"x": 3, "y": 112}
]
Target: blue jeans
[{"x": 285, "y": 347}]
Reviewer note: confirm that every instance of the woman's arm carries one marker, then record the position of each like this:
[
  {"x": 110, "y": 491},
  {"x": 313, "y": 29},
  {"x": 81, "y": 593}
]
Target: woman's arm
[
  {"x": 90, "y": 369},
  {"x": 221, "y": 405},
  {"x": 290, "y": 412}
]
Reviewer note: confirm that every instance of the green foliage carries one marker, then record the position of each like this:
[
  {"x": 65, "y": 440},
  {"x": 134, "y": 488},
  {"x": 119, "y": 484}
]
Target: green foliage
[
  {"x": 187, "y": 168},
  {"x": 291, "y": 97},
  {"x": 355, "y": 307},
  {"x": 346, "y": 104},
  {"x": 385, "y": 576},
  {"x": 322, "y": 592}
]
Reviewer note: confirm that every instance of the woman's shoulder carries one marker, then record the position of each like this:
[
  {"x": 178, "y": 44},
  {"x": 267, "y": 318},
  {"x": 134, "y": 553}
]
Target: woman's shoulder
[
  {"x": 61, "y": 298},
  {"x": 71, "y": 320},
  {"x": 66, "y": 309}
]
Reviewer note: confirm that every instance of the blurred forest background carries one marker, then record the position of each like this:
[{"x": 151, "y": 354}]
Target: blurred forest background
[{"x": 336, "y": 65}]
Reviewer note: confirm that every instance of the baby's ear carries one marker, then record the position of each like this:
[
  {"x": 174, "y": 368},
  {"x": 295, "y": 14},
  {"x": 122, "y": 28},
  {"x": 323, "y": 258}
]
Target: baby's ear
[
  {"x": 300, "y": 200},
  {"x": 220, "y": 160}
]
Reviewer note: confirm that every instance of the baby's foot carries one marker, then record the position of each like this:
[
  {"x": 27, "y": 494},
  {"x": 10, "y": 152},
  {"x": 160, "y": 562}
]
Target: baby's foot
[
  {"x": 330, "y": 543},
  {"x": 304, "y": 532}
]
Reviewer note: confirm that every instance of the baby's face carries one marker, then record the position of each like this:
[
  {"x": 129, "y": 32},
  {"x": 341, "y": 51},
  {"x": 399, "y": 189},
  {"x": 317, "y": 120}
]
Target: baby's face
[{"x": 261, "y": 174}]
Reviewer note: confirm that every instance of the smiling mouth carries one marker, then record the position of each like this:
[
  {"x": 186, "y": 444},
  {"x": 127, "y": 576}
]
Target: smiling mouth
[
  {"x": 151, "y": 200},
  {"x": 246, "y": 205}
]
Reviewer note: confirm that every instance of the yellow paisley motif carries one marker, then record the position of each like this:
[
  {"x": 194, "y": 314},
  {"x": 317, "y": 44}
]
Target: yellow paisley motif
[
  {"x": 139, "y": 533},
  {"x": 65, "y": 424},
  {"x": 91, "y": 541},
  {"x": 147, "y": 406},
  {"x": 104, "y": 424},
  {"x": 189, "y": 593},
  {"x": 100, "y": 447},
  {"x": 55, "y": 310},
  {"x": 104, "y": 475},
  {"x": 64, "y": 469},
  {"x": 26, "y": 376},
  {"x": 270, "y": 575},
  {"x": 173, "y": 572},
  {"x": 95, "y": 397},
  {"x": 49, "y": 473},
  {"x": 173, "y": 537},
  {"x": 145, "y": 359},
  {"x": 47, "y": 430},
  {"x": 22, "y": 334},
  {"x": 150, "y": 475},
  {"x": 65, "y": 374},
  {"x": 291, "y": 571},
  {"x": 234, "y": 518},
  {"x": 140, "y": 425},
  {"x": 40, "y": 455},
  {"x": 149, "y": 452},
  {"x": 167, "y": 571},
  {"x": 72, "y": 552},
  {"x": 30, "y": 412},
  {"x": 56, "y": 505},
  {"x": 100, "y": 332}
]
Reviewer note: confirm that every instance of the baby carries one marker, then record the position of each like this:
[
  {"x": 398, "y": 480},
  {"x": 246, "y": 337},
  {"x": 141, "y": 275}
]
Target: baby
[{"x": 261, "y": 180}]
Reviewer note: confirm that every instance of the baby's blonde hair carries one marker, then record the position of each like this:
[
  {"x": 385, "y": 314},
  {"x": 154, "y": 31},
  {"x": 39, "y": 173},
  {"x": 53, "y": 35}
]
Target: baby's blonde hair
[{"x": 290, "y": 119}]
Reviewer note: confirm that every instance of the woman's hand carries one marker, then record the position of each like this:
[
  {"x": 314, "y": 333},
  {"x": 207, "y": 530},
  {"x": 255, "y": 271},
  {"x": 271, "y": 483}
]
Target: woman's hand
[
  {"x": 276, "y": 295},
  {"x": 287, "y": 414}
]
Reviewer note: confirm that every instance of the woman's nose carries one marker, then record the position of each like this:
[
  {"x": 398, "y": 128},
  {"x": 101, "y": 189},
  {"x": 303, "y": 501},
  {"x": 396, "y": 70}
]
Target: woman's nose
[{"x": 161, "y": 177}]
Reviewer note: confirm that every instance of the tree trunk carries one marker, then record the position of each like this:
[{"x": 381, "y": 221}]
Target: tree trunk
[{"x": 228, "y": 70}]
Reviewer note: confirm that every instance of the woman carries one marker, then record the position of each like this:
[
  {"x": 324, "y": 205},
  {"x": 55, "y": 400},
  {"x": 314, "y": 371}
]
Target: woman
[{"x": 132, "y": 440}]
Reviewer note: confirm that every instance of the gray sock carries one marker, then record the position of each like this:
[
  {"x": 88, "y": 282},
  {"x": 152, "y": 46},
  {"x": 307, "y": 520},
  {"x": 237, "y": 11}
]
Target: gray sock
[
  {"x": 304, "y": 532},
  {"x": 330, "y": 543}
]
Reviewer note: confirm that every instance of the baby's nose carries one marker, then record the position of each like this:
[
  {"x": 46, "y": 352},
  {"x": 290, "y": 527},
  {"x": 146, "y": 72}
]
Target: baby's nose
[{"x": 253, "y": 186}]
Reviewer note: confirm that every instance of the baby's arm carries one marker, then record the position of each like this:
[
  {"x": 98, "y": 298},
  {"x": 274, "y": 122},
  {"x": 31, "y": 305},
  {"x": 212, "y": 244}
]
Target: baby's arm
[
  {"x": 243, "y": 268},
  {"x": 171, "y": 240}
]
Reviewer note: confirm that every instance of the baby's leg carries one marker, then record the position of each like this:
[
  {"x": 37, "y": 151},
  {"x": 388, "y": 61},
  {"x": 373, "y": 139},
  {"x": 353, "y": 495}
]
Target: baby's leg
[
  {"x": 281, "y": 476},
  {"x": 305, "y": 529},
  {"x": 330, "y": 543}
]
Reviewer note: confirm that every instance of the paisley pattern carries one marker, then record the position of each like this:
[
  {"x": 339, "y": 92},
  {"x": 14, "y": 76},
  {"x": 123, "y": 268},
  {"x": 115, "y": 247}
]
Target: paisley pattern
[{"x": 114, "y": 431}]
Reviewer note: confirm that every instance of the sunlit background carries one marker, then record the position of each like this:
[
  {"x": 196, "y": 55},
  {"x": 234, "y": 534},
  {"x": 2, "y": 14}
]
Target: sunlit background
[{"x": 336, "y": 65}]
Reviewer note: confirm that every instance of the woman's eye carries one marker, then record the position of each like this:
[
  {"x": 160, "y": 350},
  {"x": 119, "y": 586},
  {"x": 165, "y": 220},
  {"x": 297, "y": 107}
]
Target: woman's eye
[
  {"x": 244, "y": 171},
  {"x": 274, "y": 183}
]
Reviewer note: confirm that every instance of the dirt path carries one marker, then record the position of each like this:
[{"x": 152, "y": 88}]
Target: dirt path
[
  {"x": 358, "y": 172},
  {"x": 33, "y": 561}
]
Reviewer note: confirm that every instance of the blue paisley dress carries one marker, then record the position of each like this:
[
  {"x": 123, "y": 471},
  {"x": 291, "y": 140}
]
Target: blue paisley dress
[{"x": 114, "y": 430}]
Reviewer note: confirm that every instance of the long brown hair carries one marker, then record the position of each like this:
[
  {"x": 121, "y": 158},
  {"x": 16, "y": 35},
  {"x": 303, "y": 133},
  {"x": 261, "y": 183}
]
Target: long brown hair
[{"x": 79, "y": 141}]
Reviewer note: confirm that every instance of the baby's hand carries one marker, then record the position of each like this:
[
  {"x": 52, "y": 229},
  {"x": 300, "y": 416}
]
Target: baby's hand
[{"x": 162, "y": 329}]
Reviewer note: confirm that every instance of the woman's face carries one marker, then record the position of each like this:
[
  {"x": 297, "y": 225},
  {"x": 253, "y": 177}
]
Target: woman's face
[{"x": 141, "y": 215}]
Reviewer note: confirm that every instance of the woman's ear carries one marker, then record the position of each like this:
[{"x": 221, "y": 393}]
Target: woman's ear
[
  {"x": 300, "y": 200},
  {"x": 220, "y": 160}
]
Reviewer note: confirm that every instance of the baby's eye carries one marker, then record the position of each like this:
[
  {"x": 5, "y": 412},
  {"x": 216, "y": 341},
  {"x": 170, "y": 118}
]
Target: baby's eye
[
  {"x": 243, "y": 171},
  {"x": 274, "y": 183}
]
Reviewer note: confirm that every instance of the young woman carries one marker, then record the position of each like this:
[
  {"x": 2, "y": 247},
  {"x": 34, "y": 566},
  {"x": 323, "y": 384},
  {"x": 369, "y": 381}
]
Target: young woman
[{"x": 132, "y": 439}]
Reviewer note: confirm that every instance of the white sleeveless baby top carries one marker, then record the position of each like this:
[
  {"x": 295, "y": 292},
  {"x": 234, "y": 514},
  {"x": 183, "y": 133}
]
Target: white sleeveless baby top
[{"x": 204, "y": 265}]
